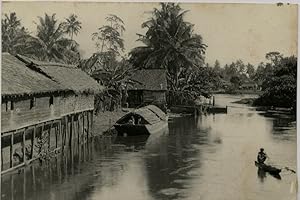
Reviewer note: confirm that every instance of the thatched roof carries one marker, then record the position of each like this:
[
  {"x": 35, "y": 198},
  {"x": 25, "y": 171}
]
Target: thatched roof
[
  {"x": 68, "y": 76},
  {"x": 150, "y": 79},
  {"x": 150, "y": 114},
  {"x": 17, "y": 79}
]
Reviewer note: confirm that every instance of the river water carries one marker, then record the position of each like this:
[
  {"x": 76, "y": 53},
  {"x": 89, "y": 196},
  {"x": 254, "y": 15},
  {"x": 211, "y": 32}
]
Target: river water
[{"x": 210, "y": 157}]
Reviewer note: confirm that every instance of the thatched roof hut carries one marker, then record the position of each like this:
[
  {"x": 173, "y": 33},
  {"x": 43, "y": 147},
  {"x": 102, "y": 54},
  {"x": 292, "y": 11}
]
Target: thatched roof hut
[
  {"x": 19, "y": 80},
  {"x": 150, "y": 79},
  {"x": 68, "y": 76}
]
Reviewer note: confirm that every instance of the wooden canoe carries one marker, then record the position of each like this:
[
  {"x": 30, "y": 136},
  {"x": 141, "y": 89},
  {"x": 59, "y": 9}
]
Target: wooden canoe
[{"x": 268, "y": 168}]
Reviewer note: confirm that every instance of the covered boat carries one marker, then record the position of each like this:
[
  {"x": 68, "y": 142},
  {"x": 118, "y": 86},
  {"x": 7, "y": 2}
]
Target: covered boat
[
  {"x": 268, "y": 168},
  {"x": 146, "y": 120}
]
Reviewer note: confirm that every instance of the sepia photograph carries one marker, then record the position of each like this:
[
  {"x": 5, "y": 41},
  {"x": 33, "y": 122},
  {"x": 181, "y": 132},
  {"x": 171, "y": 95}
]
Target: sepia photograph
[{"x": 148, "y": 100}]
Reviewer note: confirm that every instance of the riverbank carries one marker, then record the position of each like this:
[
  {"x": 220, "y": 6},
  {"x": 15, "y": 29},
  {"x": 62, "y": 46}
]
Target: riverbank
[
  {"x": 103, "y": 121},
  {"x": 248, "y": 101},
  {"x": 238, "y": 92}
]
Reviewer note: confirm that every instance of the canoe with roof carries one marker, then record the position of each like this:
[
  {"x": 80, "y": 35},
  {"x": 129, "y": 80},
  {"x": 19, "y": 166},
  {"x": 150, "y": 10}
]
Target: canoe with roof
[{"x": 143, "y": 121}]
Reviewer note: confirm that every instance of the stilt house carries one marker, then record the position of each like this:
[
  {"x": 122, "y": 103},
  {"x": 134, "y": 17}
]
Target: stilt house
[{"x": 44, "y": 107}]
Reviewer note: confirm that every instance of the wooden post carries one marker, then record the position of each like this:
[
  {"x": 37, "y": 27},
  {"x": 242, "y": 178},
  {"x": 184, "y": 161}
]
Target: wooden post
[
  {"x": 67, "y": 130},
  {"x": 12, "y": 149},
  {"x": 1, "y": 160},
  {"x": 23, "y": 145},
  {"x": 56, "y": 135},
  {"x": 78, "y": 131},
  {"x": 33, "y": 141},
  {"x": 71, "y": 131},
  {"x": 88, "y": 125},
  {"x": 49, "y": 135},
  {"x": 92, "y": 122},
  {"x": 83, "y": 126},
  {"x": 63, "y": 134}
]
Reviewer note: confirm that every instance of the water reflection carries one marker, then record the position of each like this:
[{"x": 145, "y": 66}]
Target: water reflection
[
  {"x": 262, "y": 174},
  {"x": 208, "y": 157}
]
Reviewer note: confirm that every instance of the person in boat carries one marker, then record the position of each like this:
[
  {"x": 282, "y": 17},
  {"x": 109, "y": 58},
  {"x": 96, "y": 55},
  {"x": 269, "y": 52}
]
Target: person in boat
[
  {"x": 131, "y": 121},
  {"x": 139, "y": 120},
  {"x": 262, "y": 156}
]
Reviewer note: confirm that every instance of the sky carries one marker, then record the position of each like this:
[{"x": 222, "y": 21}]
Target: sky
[{"x": 231, "y": 31}]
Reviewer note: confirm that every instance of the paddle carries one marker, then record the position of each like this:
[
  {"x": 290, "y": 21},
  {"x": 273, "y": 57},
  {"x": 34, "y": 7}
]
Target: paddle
[{"x": 286, "y": 168}]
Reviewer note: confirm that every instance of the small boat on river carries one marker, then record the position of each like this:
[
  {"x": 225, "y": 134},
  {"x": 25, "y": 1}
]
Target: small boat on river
[
  {"x": 142, "y": 121},
  {"x": 268, "y": 168}
]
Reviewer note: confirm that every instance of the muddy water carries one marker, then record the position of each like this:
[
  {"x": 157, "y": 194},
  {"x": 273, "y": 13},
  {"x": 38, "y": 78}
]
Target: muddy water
[{"x": 209, "y": 158}]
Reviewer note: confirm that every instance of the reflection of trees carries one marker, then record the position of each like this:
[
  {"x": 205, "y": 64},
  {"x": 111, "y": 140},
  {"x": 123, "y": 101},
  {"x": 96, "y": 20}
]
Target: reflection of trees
[{"x": 176, "y": 155}]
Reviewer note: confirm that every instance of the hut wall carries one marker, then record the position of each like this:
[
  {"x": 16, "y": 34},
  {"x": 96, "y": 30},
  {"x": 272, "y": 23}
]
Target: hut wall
[
  {"x": 27, "y": 112},
  {"x": 157, "y": 97},
  {"x": 76, "y": 103},
  {"x": 24, "y": 114}
]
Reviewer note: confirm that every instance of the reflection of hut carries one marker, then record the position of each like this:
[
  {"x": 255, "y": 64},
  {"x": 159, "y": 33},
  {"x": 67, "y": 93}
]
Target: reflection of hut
[
  {"x": 149, "y": 88},
  {"x": 42, "y": 101}
]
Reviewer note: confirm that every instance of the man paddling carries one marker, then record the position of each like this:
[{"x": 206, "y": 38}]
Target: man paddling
[{"x": 262, "y": 156}]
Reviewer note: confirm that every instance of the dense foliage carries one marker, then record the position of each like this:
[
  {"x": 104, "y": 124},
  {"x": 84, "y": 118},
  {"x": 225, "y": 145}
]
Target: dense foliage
[{"x": 280, "y": 88}]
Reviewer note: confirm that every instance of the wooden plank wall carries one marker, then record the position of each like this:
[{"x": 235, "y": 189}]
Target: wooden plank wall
[{"x": 23, "y": 115}]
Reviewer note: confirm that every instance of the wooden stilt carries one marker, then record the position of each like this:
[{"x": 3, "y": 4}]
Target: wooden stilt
[
  {"x": 33, "y": 141},
  {"x": 92, "y": 123},
  {"x": 12, "y": 150},
  {"x": 78, "y": 131},
  {"x": 88, "y": 126},
  {"x": 72, "y": 130},
  {"x": 23, "y": 145},
  {"x": 49, "y": 135},
  {"x": 67, "y": 130},
  {"x": 83, "y": 128},
  {"x": 1, "y": 159},
  {"x": 56, "y": 135}
]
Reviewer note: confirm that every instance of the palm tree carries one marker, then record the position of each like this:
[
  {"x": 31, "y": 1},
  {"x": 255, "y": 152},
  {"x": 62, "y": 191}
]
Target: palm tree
[
  {"x": 108, "y": 37},
  {"x": 13, "y": 34},
  {"x": 72, "y": 25},
  {"x": 169, "y": 43},
  {"x": 50, "y": 43}
]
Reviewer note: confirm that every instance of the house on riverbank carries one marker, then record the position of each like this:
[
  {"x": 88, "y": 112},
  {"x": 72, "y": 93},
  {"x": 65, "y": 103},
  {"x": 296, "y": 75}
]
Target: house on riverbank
[
  {"x": 150, "y": 87},
  {"x": 44, "y": 106}
]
